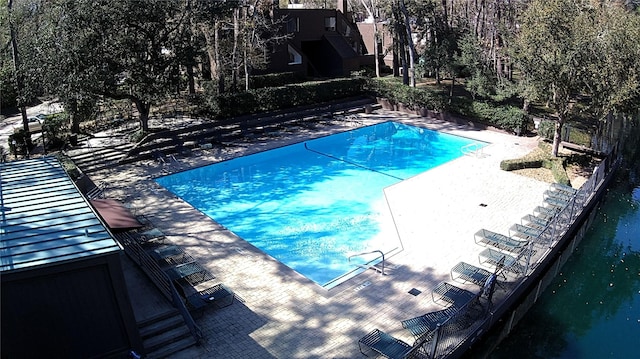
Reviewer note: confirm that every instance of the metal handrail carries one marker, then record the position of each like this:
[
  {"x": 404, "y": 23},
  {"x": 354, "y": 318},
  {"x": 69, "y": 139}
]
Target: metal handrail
[
  {"x": 160, "y": 279},
  {"x": 474, "y": 148},
  {"x": 369, "y": 266}
]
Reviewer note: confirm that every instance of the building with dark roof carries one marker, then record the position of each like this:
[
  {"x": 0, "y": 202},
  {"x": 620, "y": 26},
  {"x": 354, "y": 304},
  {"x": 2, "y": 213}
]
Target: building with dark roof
[{"x": 63, "y": 292}]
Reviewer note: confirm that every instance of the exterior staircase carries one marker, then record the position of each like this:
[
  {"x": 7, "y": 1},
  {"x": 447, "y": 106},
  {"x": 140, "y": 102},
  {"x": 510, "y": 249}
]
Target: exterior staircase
[
  {"x": 165, "y": 334},
  {"x": 90, "y": 159}
]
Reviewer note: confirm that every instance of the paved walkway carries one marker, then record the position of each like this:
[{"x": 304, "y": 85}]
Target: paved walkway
[{"x": 281, "y": 314}]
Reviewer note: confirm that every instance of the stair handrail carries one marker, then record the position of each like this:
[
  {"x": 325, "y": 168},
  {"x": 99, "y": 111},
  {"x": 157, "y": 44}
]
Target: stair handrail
[
  {"x": 149, "y": 266},
  {"x": 371, "y": 252},
  {"x": 474, "y": 148}
]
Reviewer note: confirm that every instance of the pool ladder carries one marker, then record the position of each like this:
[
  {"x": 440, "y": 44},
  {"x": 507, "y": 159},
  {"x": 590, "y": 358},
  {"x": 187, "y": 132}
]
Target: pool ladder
[
  {"x": 370, "y": 266},
  {"x": 472, "y": 149}
]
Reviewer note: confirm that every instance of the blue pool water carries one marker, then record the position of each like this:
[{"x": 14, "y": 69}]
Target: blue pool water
[{"x": 310, "y": 205}]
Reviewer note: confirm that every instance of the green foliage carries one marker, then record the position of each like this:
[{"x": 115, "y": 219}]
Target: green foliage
[
  {"x": 276, "y": 98},
  {"x": 412, "y": 97},
  {"x": 275, "y": 80},
  {"x": 540, "y": 157},
  {"x": 559, "y": 172},
  {"x": 55, "y": 127},
  {"x": 501, "y": 115},
  {"x": 480, "y": 81},
  {"x": 8, "y": 94},
  {"x": 546, "y": 129},
  {"x": 19, "y": 143}
]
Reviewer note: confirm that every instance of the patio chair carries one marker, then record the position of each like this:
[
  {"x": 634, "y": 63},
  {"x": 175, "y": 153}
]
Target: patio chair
[
  {"x": 559, "y": 195},
  {"x": 450, "y": 294},
  {"x": 423, "y": 327},
  {"x": 558, "y": 187},
  {"x": 486, "y": 237},
  {"x": 504, "y": 261},
  {"x": 384, "y": 344},
  {"x": 546, "y": 213},
  {"x": 525, "y": 232},
  {"x": 532, "y": 220},
  {"x": 218, "y": 296},
  {"x": 469, "y": 273}
]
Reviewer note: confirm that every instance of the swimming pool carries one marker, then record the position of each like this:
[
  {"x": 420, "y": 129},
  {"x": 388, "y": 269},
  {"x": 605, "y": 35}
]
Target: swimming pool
[{"x": 311, "y": 205}]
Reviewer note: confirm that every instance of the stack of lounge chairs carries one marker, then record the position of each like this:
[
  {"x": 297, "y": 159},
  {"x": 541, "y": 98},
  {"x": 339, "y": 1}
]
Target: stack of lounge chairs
[{"x": 197, "y": 287}]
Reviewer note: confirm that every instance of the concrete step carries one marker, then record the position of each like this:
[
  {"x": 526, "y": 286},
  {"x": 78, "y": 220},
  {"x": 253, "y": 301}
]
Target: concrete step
[{"x": 164, "y": 334}]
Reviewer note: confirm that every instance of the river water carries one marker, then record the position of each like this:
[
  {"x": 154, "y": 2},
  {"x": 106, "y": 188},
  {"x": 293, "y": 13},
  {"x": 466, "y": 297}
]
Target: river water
[{"x": 592, "y": 309}]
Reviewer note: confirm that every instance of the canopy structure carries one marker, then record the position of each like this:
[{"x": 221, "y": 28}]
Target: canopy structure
[
  {"x": 115, "y": 215},
  {"x": 44, "y": 219}
]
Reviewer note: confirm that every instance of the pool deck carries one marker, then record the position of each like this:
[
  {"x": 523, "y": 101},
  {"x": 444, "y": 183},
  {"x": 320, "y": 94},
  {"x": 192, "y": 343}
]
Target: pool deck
[{"x": 281, "y": 314}]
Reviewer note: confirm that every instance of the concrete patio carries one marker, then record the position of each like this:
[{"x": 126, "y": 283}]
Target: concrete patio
[{"x": 281, "y": 314}]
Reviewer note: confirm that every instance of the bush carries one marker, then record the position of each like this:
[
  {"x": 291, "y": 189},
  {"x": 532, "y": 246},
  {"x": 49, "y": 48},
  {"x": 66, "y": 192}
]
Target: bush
[
  {"x": 55, "y": 127},
  {"x": 412, "y": 97},
  {"x": 546, "y": 129},
  {"x": 277, "y": 98},
  {"x": 559, "y": 172},
  {"x": 275, "y": 80},
  {"x": 540, "y": 157}
]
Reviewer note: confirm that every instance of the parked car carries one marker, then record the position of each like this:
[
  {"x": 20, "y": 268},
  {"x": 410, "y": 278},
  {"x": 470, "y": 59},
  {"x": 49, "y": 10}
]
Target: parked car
[{"x": 35, "y": 123}]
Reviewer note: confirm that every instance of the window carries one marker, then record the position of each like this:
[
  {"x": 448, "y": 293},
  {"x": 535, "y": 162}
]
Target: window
[
  {"x": 293, "y": 25},
  {"x": 330, "y": 23},
  {"x": 294, "y": 56}
]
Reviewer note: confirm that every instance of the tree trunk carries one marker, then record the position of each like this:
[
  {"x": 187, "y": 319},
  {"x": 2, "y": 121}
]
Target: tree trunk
[
  {"x": 557, "y": 137},
  {"x": 191, "y": 80},
  {"x": 74, "y": 122},
  {"x": 412, "y": 51},
  {"x": 371, "y": 8},
  {"x": 15, "y": 56},
  {"x": 220, "y": 73},
  {"x": 453, "y": 83},
  {"x": 376, "y": 49},
  {"x": 143, "y": 111},
  {"x": 209, "y": 40},
  {"x": 234, "y": 52}
]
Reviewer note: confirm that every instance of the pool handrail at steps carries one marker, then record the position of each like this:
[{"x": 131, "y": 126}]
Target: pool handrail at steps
[
  {"x": 368, "y": 265},
  {"x": 472, "y": 149}
]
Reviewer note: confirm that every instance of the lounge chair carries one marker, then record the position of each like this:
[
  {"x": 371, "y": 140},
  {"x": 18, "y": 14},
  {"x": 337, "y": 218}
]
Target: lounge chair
[
  {"x": 531, "y": 220},
  {"x": 547, "y": 213},
  {"x": 425, "y": 325},
  {"x": 559, "y": 195},
  {"x": 191, "y": 272},
  {"x": 450, "y": 294},
  {"x": 524, "y": 232},
  {"x": 469, "y": 273},
  {"x": 486, "y": 237},
  {"x": 555, "y": 203},
  {"x": 563, "y": 188},
  {"x": 384, "y": 344},
  {"x": 505, "y": 261},
  {"x": 170, "y": 255},
  {"x": 198, "y": 299}
]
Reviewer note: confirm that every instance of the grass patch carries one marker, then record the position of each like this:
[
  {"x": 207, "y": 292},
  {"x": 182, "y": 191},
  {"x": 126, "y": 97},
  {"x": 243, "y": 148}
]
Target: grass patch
[{"x": 541, "y": 157}]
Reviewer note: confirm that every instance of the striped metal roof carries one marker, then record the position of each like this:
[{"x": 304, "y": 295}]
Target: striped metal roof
[{"x": 44, "y": 218}]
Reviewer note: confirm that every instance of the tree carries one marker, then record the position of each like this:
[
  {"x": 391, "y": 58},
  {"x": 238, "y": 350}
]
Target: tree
[
  {"x": 21, "y": 98},
  {"x": 548, "y": 58},
  {"x": 371, "y": 8},
  {"x": 580, "y": 57},
  {"x": 119, "y": 50}
]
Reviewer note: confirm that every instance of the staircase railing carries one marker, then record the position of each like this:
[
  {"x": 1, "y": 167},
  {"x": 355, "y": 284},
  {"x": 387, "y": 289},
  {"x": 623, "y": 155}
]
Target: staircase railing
[{"x": 160, "y": 279}]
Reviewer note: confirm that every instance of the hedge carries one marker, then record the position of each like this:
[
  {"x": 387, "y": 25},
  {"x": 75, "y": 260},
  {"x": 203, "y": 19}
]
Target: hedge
[{"x": 278, "y": 98}]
